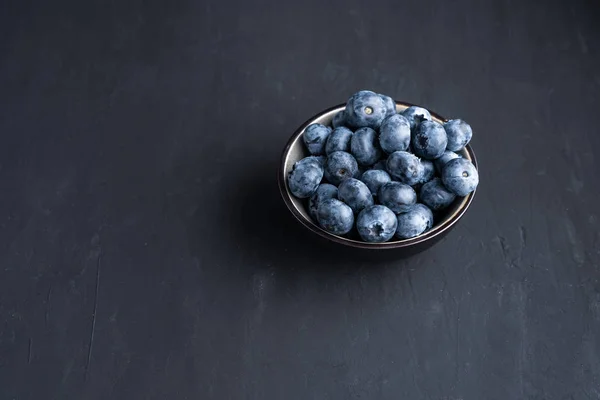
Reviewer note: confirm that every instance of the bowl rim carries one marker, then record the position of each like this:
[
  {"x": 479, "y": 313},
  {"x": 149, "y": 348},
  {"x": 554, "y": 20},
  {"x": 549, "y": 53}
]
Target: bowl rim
[{"x": 429, "y": 235}]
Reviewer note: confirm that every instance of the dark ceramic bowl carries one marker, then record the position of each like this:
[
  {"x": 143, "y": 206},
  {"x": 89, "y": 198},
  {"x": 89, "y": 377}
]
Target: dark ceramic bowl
[{"x": 295, "y": 150}]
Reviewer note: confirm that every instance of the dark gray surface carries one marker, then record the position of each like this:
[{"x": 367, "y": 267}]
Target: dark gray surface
[{"x": 145, "y": 253}]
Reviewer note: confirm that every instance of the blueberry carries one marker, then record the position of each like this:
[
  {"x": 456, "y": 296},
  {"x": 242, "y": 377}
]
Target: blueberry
[
  {"x": 394, "y": 134},
  {"x": 459, "y": 134},
  {"x": 356, "y": 194},
  {"x": 390, "y": 105},
  {"x": 443, "y": 159},
  {"x": 376, "y": 224},
  {"x": 435, "y": 195},
  {"x": 305, "y": 177},
  {"x": 429, "y": 140},
  {"x": 374, "y": 178},
  {"x": 414, "y": 222},
  {"x": 325, "y": 191},
  {"x": 319, "y": 159},
  {"x": 365, "y": 109},
  {"x": 339, "y": 140},
  {"x": 381, "y": 164},
  {"x": 315, "y": 137},
  {"x": 460, "y": 176},
  {"x": 339, "y": 119},
  {"x": 365, "y": 147},
  {"x": 428, "y": 171},
  {"x": 335, "y": 217},
  {"x": 339, "y": 166},
  {"x": 397, "y": 196},
  {"x": 415, "y": 115},
  {"x": 404, "y": 167}
]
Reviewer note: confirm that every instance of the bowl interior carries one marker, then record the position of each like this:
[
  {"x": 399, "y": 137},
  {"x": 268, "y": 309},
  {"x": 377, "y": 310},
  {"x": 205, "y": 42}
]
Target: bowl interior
[{"x": 296, "y": 150}]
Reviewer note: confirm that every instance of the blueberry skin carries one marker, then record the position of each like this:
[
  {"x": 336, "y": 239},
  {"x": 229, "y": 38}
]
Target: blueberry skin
[
  {"x": 356, "y": 194},
  {"x": 414, "y": 222},
  {"x": 339, "y": 119},
  {"x": 339, "y": 140},
  {"x": 428, "y": 171},
  {"x": 339, "y": 166},
  {"x": 459, "y": 134},
  {"x": 315, "y": 136},
  {"x": 365, "y": 109},
  {"x": 443, "y": 159},
  {"x": 404, "y": 167},
  {"x": 394, "y": 134},
  {"x": 364, "y": 146},
  {"x": 376, "y": 224},
  {"x": 381, "y": 165},
  {"x": 429, "y": 140},
  {"x": 335, "y": 217},
  {"x": 397, "y": 196},
  {"x": 390, "y": 105},
  {"x": 460, "y": 176},
  {"x": 305, "y": 177},
  {"x": 415, "y": 115},
  {"x": 374, "y": 179},
  {"x": 435, "y": 195},
  {"x": 325, "y": 191},
  {"x": 318, "y": 159}
]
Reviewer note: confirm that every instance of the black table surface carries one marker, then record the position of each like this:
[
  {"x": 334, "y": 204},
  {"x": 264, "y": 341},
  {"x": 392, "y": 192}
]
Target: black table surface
[{"x": 146, "y": 253}]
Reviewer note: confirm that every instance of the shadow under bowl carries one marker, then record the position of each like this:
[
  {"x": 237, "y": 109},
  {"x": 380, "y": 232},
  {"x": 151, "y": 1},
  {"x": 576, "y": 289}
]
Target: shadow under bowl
[{"x": 295, "y": 151}]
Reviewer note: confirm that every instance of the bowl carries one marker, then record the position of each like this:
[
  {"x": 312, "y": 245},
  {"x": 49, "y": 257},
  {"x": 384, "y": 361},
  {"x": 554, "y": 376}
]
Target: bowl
[{"x": 295, "y": 151}]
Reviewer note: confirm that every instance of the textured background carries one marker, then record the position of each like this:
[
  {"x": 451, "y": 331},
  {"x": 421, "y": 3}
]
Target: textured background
[{"x": 145, "y": 252}]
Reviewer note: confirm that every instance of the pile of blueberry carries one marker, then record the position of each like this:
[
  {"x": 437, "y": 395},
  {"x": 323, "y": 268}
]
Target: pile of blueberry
[{"x": 382, "y": 172}]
